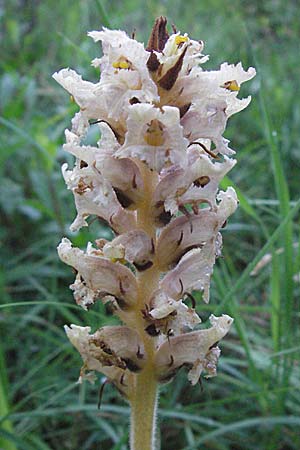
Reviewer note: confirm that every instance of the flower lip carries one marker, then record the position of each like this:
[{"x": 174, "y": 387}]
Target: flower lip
[{"x": 154, "y": 136}]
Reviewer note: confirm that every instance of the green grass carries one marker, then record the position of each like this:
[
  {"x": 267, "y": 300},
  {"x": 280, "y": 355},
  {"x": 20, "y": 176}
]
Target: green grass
[{"x": 254, "y": 403}]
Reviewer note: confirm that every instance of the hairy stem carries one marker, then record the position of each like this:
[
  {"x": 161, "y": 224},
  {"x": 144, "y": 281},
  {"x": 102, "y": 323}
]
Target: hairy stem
[
  {"x": 143, "y": 411},
  {"x": 145, "y": 392}
]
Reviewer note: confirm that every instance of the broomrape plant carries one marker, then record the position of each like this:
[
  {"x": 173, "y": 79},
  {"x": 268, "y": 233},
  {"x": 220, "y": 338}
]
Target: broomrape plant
[{"x": 153, "y": 177}]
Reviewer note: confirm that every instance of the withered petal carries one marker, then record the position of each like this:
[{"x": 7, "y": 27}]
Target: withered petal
[
  {"x": 97, "y": 359},
  {"x": 159, "y": 35},
  {"x": 170, "y": 77}
]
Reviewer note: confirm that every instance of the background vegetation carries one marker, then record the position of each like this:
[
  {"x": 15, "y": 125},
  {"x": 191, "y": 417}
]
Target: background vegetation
[{"x": 254, "y": 403}]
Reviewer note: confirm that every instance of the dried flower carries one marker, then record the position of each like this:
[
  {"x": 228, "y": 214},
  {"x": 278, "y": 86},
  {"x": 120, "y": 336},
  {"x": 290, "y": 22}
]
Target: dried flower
[{"x": 154, "y": 178}]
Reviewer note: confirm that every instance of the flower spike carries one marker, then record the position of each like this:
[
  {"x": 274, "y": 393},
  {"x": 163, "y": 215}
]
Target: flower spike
[{"x": 153, "y": 177}]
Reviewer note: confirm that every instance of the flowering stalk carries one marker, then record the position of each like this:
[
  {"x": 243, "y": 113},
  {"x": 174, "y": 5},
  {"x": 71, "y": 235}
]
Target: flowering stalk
[{"x": 153, "y": 177}]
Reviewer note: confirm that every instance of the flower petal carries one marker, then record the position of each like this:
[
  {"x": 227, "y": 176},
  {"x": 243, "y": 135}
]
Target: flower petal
[
  {"x": 197, "y": 184},
  {"x": 100, "y": 359},
  {"x": 213, "y": 102},
  {"x": 155, "y": 136},
  {"x": 100, "y": 274},
  {"x": 178, "y": 317},
  {"x": 125, "y": 177},
  {"x": 189, "y": 349},
  {"x": 138, "y": 248},
  {"x": 121, "y": 342},
  {"x": 124, "y": 73},
  {"x": 95, "y": 195},
  {"x": 183, "y": 234},
  {"x": 82, "y": 91},
  {"x": 83, "y": 295},
  {"x": 193, "y": 271},
  {"x": 206, "y": 177}
]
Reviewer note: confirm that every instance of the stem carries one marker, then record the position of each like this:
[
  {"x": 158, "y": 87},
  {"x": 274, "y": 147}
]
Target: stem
[
  {"x": 143, "y": 411},
  {"x": 145, "y": 391}
]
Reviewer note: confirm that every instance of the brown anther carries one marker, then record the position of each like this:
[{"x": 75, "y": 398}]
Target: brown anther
[
  {"x": 180, "y": 239},
  {"x": 104, "y": 347},
  {"x": 133, "y": 33},
  {"x": 174, "y": 28},
  {"x": 183, "y": 209},
  {"x": 121, "y": 303}
]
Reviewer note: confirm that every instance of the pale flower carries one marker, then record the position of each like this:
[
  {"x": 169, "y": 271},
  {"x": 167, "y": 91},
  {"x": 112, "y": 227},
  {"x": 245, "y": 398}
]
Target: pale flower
[{"x": 154, "y": 178}]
